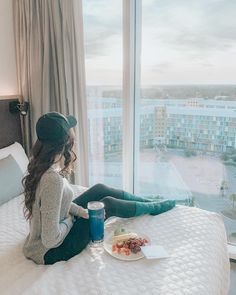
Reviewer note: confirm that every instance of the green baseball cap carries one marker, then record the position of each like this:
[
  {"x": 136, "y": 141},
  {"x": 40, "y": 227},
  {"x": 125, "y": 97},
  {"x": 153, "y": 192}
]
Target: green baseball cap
[{"x": 54, "y": 127}]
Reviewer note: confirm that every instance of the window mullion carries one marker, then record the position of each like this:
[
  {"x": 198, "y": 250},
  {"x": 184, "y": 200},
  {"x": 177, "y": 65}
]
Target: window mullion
[
  {"x": 137, "y": 78},
  {"x": 131, "y": 74}
]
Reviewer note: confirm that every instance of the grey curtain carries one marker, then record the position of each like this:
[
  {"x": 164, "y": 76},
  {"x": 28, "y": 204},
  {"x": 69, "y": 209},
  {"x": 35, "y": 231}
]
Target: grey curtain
[{"x": 50, "y": 64}]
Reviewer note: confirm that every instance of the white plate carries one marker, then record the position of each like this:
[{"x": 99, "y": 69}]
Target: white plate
[{"x": 108, "y": 247}]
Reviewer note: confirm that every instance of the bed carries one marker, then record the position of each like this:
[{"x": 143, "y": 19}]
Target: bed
[{"x": 195, "y": 239}]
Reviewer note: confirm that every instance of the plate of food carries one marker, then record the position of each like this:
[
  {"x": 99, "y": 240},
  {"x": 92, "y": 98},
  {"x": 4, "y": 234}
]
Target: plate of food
[{"x": 125, "y": 245}]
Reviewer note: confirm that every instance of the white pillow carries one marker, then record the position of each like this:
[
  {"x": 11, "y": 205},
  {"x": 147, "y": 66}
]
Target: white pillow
[
  {"x": 18, "y": 153},
  {"x": 9, "y": 171}
]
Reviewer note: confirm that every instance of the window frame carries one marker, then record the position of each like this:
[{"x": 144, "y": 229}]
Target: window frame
[{"x": 132, "y": 23}]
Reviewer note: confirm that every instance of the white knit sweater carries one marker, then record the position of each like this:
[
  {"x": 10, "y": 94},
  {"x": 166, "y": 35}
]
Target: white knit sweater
[{"x": 52, "y": 216}]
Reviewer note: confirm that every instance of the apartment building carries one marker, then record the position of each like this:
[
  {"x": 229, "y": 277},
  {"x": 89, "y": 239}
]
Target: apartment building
[{"x": 198, "y": 124}]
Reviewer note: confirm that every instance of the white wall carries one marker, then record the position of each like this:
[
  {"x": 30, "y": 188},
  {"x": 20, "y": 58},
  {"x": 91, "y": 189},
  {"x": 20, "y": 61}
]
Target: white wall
[{"x": 8, "y": 80}]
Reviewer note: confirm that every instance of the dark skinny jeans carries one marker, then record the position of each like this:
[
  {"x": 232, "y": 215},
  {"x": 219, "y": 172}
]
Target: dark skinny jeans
[{"x": 78, "y": 237}]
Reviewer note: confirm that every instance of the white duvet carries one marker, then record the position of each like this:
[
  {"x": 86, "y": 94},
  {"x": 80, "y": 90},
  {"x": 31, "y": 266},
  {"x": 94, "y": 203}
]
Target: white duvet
[{"x": 195, "y": 239}]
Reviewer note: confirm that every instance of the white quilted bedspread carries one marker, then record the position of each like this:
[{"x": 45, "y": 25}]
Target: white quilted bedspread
[{"x": 195, "y": 239}]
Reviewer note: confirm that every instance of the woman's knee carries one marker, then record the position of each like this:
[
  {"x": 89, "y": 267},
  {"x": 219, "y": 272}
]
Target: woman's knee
[{"x": 100, "y": 187}]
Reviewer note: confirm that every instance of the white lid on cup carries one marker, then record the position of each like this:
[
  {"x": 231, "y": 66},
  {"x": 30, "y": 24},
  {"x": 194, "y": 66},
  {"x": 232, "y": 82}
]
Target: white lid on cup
[{"x": 94, "y": 205}]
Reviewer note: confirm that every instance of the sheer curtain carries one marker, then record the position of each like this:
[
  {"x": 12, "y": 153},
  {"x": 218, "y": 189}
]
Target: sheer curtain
[{"x": 50, "y": 64}]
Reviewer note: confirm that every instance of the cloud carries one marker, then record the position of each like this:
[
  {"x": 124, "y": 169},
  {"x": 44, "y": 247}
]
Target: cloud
[
  {"x": 161, "y": 67},
  {"x": 196, "y": 27},
  {"x": 207, "y": 64},
  {"x": 196, "y": 37},
  {"x": 193, "y": 26},
  {"x": 102, "y": 22}
]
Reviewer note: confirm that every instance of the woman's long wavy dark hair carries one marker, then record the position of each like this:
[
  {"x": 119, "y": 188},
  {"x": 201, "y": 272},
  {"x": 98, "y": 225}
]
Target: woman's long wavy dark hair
[{"x": 43, "y": 157}]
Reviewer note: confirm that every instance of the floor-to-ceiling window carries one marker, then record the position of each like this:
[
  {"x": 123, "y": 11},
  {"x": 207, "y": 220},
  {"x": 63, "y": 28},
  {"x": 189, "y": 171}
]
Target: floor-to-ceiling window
[
  {"x": 103, "y": 58},
  {"x": 187, "y": 106},
  {"x": 185, "y": 110}
]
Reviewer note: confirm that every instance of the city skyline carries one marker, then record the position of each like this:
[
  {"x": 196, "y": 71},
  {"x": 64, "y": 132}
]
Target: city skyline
[
  {"x": 224, "y": 92},
  {"x": 200, "y": 124}
]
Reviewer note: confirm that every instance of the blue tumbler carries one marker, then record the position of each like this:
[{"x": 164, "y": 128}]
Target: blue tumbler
[{"x": 96, "y": 222}]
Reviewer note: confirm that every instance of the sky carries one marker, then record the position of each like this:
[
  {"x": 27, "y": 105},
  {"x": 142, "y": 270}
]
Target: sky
[{"x": 182, "y": 42}]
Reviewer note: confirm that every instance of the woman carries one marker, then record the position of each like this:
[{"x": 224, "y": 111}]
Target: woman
[{"x": 59, "y": 228}]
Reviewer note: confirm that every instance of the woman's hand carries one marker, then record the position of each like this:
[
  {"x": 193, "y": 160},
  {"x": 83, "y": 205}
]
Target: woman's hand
[{"x": 84, "y": 213}]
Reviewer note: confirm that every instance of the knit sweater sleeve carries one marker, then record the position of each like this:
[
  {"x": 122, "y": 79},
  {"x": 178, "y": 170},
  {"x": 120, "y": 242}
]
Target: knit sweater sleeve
[
  {"x": 53, "y": 230},
  {"x": 76, "y": 210}
]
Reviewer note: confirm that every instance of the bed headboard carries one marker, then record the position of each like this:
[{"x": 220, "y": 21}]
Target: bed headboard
[{"x": 10, "y": 124}]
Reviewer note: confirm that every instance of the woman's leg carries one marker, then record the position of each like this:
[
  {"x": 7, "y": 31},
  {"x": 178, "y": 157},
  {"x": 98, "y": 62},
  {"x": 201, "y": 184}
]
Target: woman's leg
[
  {"x": 119, "y": 208},
  {"x": 96, "y": 193},
  {"x": 76, "y": 241},
  {"x": 78, "y": 237},
  {"x": 99, "y": 191},
  {"x": 126, "y": 209}
]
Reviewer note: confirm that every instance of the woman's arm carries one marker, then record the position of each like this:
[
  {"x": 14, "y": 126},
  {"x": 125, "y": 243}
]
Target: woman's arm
[
  {"x": 75, "y": 209},
  {"x": 53, "y": 231},
  {"x": 78, "y": 211}
]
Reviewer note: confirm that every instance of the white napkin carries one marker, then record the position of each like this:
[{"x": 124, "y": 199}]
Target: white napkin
[{"x": 154, "y": 252}]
